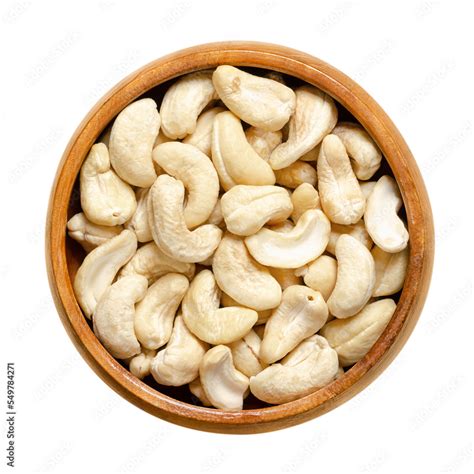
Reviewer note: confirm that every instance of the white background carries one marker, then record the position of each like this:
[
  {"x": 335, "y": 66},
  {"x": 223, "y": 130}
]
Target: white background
[{"x": 59, "y": 58}]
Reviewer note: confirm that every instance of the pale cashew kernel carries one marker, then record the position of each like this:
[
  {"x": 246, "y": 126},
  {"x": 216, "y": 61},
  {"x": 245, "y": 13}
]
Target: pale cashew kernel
[
  {"x": 140, "y": 364},
  {"x": 139, "y": 221},
  {"x": 263, "y": 315},
  {"x": 284, "y": 227},
  {"x": 367, "y": 187},
  {"x": 105, "y": 198},
  {"x": 355, "y": 278},
  {"x": 216, "y": 216},
  {"x": 320, "y": 275},
  {"x": 259, "y": 101},
  {"x": 295, "y": 174},
  {"x": 262, "y": 141},
  {"x": 131, "y": 142},
  {"x": 304, "y": 198},
  {"x": 312, "y": 155},
  {"x": 358, "y": 231},
  {"x": 195, "y": 387},
  {"x": 301, "y": 313},
  {"x": 285, "y": 276},
  {"x": 390, "y": 271},
  {"x": 245, "y": 354}
]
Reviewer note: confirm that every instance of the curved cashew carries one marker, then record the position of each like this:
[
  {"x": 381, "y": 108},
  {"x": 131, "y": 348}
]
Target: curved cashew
[
  {"x": 195, "y": 170},
  {"x": 223, "y": 384},
  {"x": 131, "y": 142},
  {"x": 245, "y": 354},
  {"x": 295, "y": 174},
  {"x": 139, "y": 221},
  {"x": 234, "y": 158},
  {"x": 315, "y": 116},
  {"x": 285, "y": 276},
  {"x": 105, "y": 198},
  {"x": 358, "y": 231},
  {"x": 262, "y": 141},
  {"x": 154, "y": 315},
  {"x": 390, "y": 271},
  {"x": 242, "y": 278},
  {"x": 293, "y": 249},
  {"x": 99, "y": 268},
  {"x": 341, "y": 198},
  {"x": 184, "y": 101},
  {"x": 246, "y": 209},
  {"x": 259, "y": 101},
  {"x": 302, "y": 313},
  {"x": 353, "y": 337},
  {"x": 360, "y": 147},
  {"x": 304, "y": 198},
  {"x": 195, "y": 387},
  {"x": 310, "y": 366},
  {"x": 178, "y": 363},
  {"x": 367, "y": 187},
  {"x": 381, "y": 220},
  {"x": 320, "y": 275},
  {"x": 201, "y": 138},
  {"x": 113, "y": 316},
  {"x": 150, "y": 262},
  {"x": 168, "y": 227},
  {"x": 355, "y": 278},
  {"x": 88, "y": 234},
  {"x": 206, "y": 320},
  {"x": 263, "y": 315},
  {"x": 140, "y": 364}
]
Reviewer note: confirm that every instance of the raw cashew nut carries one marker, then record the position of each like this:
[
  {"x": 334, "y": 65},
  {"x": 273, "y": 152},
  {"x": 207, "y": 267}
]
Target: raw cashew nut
[
  {"x": 358, "y": 231},
  {"x": 139, "y": 221},
  {"x": 242, "y": 278},
  {"x": 263, "y": 315},
  {"x": 383, "y": 224},
  {"x": 293, "y": 249},
  {"x": 223, "y": 384},
  {"x": 341, "y": 198},
  {"x": 367, "y": 187},
  {"x": 353, "y": 337},
  {"x": 259, "y": 101},
  {"x": 131, "y": 142},
  {"x": 295, "y": 174},
  {"x": 140, "y": 364},
  {"x": 302, "y": 313},
  {"x": 310, "y": 366},
  {"x": 246, "y": 209},
  {"x": 320, "y": 275},
  {"x": 304, "y": 198},
  {"x": 284, "y": 227},
  {"x": 154, "y": 315},
  {"x": 315, "y": 116},
  {"x": 191, "y": 166},
  {"x": 262, "y": 141},
  {"x": 178, "y": 363},
  {"x": 285, "y": 276},
  {"x": 360, "y": 147},
  {"x": 390, "y": 271},
  {"x": 161, "y": 138},
  {"x": 105, "y": 198},
  {"x": 245, "y": 354},
  {"x": 168, "y": 227},
  {"x": 234, "y": 158},
  {"x": 184, "y": 101},
  {"x": 195, "y": 387},
  {"x": 355, "y": 278},
  {"x": 113, "y": 316},
  {"x": 206, "y": 320},
  {"x": 99, "y": 268},
  {"x": 150, "y": 262},
  {"x": 312, "y": 155},
  {"x": 201, "y": 138},
  {"x": 88, "y": 234}
]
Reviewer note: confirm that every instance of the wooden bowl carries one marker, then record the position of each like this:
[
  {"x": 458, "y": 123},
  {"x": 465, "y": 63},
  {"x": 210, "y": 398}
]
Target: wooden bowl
[{"x": 63, "y": 255}]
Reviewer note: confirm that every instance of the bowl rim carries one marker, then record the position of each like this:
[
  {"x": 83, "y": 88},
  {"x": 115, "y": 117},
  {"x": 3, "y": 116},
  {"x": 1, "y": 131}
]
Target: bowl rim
[{"x": 402, "y": 163}]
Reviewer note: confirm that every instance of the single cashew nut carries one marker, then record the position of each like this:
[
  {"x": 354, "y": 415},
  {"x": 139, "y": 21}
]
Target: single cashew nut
[
  {"x": 88, "y": 234},
  {"x": 310, "y": 366},
  {"x": 262, "y": 141},
  {"x": 234, "y": 158},
  {"x": 154, "y": 315},
  {"x": 184, "y": 101},
  {"x": 139, "y": 221},
  {"x": 304, "y": 198},
  {"x": 178, "y": 363},
  {"x": 355, "y": 278},
  {"x": 195, "y": 387},
  {"x": 367, "y": 187},
  {"x": 360, "y": 147},
  {"x": 381, "y": 220},
  {"x": 315, "y": 116},
  {"x": 285, "y": 276},
  {"x": 223, "y": 384},
  {"x": 263, "y": 315},
  {"x": 358, "y": 231},
  {"x": 194, "y": 169},
  {"x": 320, "y": 275},
  {"x": 246, "y": 209},
  {"x": 245, "y": 354},
  {"x": 131, "y": 142},
  {"x": 259, "y": 101},
  {"x": 284, "y": 227},
  {"x": 113, "y": 316},
  {"x": 295, "y": 174},
  {"x": 140, "y": 364},
  {"x": 242, "y": 278},
  {"x": 312, "y": 155},
  {"x": 206, "y": 320},
  {"x": 390, "y": 271},
  {"x": 341, "y": 198},
  {"x": 99, "y": 268},
  {"x": 168, "y": 227},
  {"x": 301, "y": 313},
  {"x": 293, "y": 249},
  {"x": 105, "y": 198},
  {"x": 353, "y": 337},
  {"x": 161, "y": 138}
]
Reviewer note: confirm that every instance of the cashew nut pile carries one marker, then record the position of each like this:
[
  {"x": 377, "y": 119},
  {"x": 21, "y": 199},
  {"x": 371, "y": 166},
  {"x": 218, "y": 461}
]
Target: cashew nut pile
[{"x": 237, "y": 240}]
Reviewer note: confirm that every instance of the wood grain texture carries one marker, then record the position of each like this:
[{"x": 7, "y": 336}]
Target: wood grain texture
[{"x": 63, "y": 255}]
